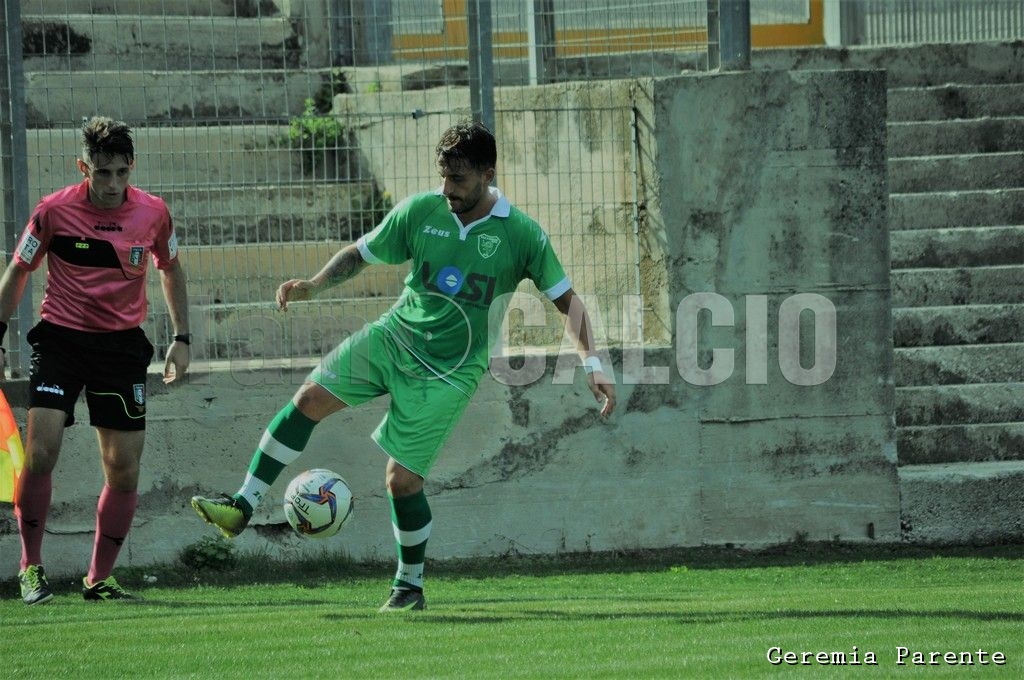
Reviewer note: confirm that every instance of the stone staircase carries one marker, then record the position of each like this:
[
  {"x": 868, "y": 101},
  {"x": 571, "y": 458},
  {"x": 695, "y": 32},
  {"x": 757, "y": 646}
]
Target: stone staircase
[
  {"x": 956, "y": 175},
  {"x": 211, "y": 87}
]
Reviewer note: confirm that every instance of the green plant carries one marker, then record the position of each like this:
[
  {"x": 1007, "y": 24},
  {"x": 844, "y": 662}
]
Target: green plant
[
  {"x": 314, "y": 129},
  {"x": 317, "y": 136},
  {"x": 209, "y": 552}
]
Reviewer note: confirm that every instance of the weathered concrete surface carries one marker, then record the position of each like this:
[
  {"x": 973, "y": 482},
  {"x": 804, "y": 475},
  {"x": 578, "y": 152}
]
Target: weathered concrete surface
[
  {"x": 785, "y": 199},
  {"x": 910, "y": 65},
  {"x": 959, "y": 502}
]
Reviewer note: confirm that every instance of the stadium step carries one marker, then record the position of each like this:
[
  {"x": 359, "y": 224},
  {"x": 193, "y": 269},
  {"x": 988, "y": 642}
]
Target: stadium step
[
  {"x": 237, "y": 156},
  {"x": 251, "y": 273},
  {"x": 954, "y": 101},
  {"x": 148, "y": 7},
  {"x": 957, "y": 325},
  {"x": 957, "y": 247},
  {"x": 909, "y": 65},
  {"x": 956, "y": 180},
  {"x": 260, "y": 331},
  {"x": 960, "y": 443},
  {"x": 259, "y": 95},
  {"x": 220, "y": 215},
  {"x": 946, "y": 209},
  {"x": 960, "y": 172},
  {"x": 959, "y": 364},
  {"x": 932, "y": 287},
  {"x": 960, "y": 404},
  {"x": 954, "y": 502},
  {"x": 979, "y": 135},
  {"x": 79, "y": 42}
]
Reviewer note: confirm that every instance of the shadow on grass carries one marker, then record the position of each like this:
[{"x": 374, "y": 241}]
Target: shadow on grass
[
  {"x": 697, "y": 617},
  {"x": 332, "y": 569}
]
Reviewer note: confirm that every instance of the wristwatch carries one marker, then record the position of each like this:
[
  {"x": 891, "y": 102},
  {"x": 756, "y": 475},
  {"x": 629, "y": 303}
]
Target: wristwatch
[{"x": 185, "y": 338}]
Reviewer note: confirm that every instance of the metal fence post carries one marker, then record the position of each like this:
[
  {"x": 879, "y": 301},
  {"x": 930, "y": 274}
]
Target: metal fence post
[
  {"x": 540, "y": 31},
  {"x": 14, "y": 167},
  {"x": 714, "y": 51},
  {"x": 481, "y": 61},
  {"x": 361, "y": 32},
  {"x": 734, "y": 34}
]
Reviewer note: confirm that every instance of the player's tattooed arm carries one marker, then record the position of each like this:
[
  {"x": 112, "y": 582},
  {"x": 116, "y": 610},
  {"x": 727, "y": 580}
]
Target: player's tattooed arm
[{"x": 345, "y": 264}]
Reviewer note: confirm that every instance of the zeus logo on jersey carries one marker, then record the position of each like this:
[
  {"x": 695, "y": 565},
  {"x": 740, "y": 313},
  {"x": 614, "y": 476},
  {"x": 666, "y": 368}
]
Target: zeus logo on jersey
[
  {"x": 434, "y": 231},
  {"x": 450, "y": 280}
]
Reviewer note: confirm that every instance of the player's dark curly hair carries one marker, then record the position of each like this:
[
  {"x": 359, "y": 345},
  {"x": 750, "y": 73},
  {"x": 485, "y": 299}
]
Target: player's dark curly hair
[
  {"x": 467, "y": 142},
  {"x": 102, "y": 135}
]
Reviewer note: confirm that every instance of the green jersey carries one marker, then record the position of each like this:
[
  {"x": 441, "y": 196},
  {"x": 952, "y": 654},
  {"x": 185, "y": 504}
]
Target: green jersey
[{"x": 458, "y": 274}]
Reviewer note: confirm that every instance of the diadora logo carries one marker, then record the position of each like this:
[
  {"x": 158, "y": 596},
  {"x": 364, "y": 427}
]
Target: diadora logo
[
  {"x": 52, "y": 389},
  {"x": 113, "y": 226},
  {"x": 434, "y": 231},
  {"x": 451, "y": 281}
]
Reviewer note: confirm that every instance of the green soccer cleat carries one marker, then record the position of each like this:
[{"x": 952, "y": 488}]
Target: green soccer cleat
[
  {"x": 107, "y": 589},
  {"x": 224, "y": 513},
  {"x": 404, "y": 600},
  {"x": 35, "y": 589}
]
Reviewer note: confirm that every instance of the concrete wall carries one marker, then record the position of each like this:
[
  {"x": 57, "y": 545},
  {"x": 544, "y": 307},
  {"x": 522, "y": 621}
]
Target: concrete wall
[{"x": 756, "y": 186}]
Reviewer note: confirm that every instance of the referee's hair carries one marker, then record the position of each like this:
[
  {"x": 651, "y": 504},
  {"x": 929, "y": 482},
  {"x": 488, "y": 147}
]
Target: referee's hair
[{"x": 103, "y": 135}]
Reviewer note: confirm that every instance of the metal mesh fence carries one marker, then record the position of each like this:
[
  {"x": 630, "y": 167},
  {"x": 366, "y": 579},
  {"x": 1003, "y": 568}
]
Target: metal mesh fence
[
  {"x": 235, "y": 106},
  {"x": 896, "y": 22},
  {"x": 279, "y": 130}
]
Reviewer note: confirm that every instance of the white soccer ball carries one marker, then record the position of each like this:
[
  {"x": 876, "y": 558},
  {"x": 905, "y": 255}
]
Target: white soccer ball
[{"x": 317, "y": 503}]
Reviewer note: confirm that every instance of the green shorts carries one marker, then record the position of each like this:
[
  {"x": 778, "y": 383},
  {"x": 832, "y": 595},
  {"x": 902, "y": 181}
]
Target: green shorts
[{"x": 424, "y": 408}]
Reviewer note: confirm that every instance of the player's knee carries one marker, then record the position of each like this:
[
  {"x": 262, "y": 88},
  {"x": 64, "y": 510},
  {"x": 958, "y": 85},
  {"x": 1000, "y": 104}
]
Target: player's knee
[
  {"x": 400, "y": 482},
  {"x": 315, "y": 402}
]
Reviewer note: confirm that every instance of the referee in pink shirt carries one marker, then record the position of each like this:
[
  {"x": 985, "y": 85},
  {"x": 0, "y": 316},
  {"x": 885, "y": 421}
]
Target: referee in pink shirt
[{"x": 97, "y": 237}]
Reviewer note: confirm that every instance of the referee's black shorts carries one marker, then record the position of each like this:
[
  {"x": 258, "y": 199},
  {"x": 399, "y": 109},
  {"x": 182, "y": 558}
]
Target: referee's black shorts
[{"x": 111, "y": 367}]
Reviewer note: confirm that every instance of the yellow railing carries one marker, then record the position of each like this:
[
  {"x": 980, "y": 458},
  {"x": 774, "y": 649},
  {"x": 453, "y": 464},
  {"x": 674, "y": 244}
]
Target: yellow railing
[{"x": 451, "y": 42}]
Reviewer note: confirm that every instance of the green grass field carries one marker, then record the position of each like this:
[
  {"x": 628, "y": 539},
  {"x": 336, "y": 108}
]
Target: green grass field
[{"x": 667, "y": 614}]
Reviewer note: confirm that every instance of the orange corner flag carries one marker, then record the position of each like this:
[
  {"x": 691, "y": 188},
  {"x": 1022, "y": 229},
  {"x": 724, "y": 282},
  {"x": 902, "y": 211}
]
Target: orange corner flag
[{"x": 12, "y": 455}]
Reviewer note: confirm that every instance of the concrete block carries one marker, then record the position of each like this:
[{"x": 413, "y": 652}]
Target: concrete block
[
  {"x": 957, "y": 325},
  {"x": 964, "y": 285},
  {"x": 142, "y": 7},
  {"x": 962, "y": 172},
  {"x": 984, "y": 135},
  {"x": 962, "y": 502},
  {"x": 960, "y": 443},
  {"x": 959, "y": 364},
  {"x": 954, "y": 248},
  {"x": 955, "y": 100},
  {"x": 167, "y": 158},
  {"x": 786, "y": 478},
  {"x": 169, "y": 95},
  {"x": 909, "y": 65},
  {"x": 78, "y": 42},
  {"x": 957, "y": 209},
  {"x": 940, "y": 404}
]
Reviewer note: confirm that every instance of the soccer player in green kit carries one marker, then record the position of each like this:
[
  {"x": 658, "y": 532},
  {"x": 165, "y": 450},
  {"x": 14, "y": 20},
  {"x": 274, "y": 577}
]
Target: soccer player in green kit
[{"x": 469, "y": 248}]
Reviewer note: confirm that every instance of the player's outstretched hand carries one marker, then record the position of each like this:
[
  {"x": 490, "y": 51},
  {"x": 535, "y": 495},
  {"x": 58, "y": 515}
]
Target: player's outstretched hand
[
  {"x": 294, "y": 290},
  {"x": 603, "y": 390},
  {"x": 178, "y": 358}
]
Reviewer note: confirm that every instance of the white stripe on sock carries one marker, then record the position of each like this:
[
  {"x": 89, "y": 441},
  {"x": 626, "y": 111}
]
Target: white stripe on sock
[
  {"x": 411, "y": 538},
  {"x": 276, "y": 450}
]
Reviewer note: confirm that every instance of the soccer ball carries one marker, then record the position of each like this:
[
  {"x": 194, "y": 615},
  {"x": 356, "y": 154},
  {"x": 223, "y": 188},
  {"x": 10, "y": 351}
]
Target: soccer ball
[{"x": 317, "y": 503}]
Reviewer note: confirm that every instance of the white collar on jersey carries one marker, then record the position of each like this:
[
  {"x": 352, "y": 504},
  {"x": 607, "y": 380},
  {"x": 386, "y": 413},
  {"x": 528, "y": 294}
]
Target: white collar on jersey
[{"x": 501, "y": 207}]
